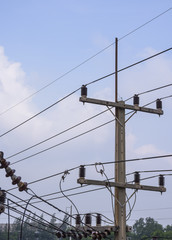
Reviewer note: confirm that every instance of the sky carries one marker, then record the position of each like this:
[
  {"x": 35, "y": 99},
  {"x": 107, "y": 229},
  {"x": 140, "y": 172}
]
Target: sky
[{"x": 48, "y": 50}]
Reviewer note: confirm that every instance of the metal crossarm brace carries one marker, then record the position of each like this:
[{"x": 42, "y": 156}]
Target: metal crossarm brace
[
  {"x": 121, "y": 185},
  {"x": 120, "y": 105}
]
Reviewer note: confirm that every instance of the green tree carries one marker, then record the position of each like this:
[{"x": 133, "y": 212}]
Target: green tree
[{"x": 138, "y": 229}]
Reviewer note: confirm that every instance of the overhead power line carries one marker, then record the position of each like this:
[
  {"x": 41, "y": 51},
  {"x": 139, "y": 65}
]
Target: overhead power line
[
  {"x": 93, "y": 164},
  {"x": 151, "y": 90},
  {"x": 94, "y": 81},
  {"x": 84, "y": 121},
  {"x": 129, "y": 66},
  {"x": 68, "y": 140},
  {"x": 45, "y": 109},
  {"x": 58, "y": 134},
  {"x": 85, "y": 61}
]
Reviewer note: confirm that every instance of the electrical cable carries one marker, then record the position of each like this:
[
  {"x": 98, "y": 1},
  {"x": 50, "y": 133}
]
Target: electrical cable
[
  {"x": 60, "y": 186},
  {"x": 56, "y": 145},
  {"x": 128, "y": 200},
  {"x": 110, "y": 221},
  {"x": 85, "y": 61},
  {"x": 54, "y": 226},
  {"x": 151, "y": 90},
  {"x": 60, "y": 210},
  {"x": 21, "y": 227},
  {"x": 32, "y": 218},
  {"x": 68, "y": 140},
  {"x": 112, "y": 195},
  {"x": 129, "y": 66},
  {"x": 146, "y": 23},
  {"x": 57, "y": 134},
  {"x": 30, "y": 224},
  {"x": 94, "y": 81},
  {"x": 150, "y": 171},
  {"x": 73, "y": 194},
  {"x": 132, "y": 208},
  {"x": 39, "y": 209},
  {"x": 131, "y": 160},
  {"x": 8, "y": 219},
  {"x": 37, "y": 114},
  {"x": 166, "y": 97},
  {"x": 93, "y": 164},
  {"x": 84, "y": 122}
]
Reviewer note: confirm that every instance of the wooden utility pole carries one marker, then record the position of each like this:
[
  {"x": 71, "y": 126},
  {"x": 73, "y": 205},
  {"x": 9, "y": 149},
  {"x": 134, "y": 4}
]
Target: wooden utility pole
[
  {"x": 120, "y": 171},
  {"x": 120, "y": 208}
]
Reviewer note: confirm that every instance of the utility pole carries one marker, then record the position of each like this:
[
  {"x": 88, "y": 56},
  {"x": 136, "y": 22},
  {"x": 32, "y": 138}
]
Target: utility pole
[
  {"x": 120, "y": 184},
  {"x": 120, "y": 193}
]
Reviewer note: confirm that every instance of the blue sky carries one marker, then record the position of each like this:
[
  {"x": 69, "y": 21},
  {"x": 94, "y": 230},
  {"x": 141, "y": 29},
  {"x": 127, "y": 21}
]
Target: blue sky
[{"x": 42, "y": 40}]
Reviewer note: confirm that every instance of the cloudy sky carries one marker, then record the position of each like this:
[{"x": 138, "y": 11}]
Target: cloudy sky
[{"x": 48, "y": 49}]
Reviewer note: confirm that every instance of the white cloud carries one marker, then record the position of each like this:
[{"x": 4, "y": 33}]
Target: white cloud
[{"x": 148, "y": 149}]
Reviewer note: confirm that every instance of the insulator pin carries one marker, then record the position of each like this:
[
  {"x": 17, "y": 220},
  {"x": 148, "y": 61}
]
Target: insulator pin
[
  {"x": 161, "y": 180},
  {"x": 159, "y": 104},
  {"x": 137, "y": 178},
  {"x": 136, "y": 100},
  {"x": 88, "y": 219},
  {"x": 98, "y": 220},
  {"x": 78, "y": 220},
  {"x": 83, "y": 91},
  {"x": 82, "y": 171}
]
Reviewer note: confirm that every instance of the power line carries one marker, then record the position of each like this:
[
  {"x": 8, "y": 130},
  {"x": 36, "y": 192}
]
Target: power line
[
  {"x": 45, "y": 109},
  {"x": 58, "y": 134},
  {"x": 129, "y": 66},
  {"x": 85, "y": 61},
  {"x": 151, "y": 90},
  {"x": 37, "y": 227},
  {"x": 48, "y": 224},
  {"x": 93, "y": 164},
  {"x": 146, "y": 23},
  {"x": 68, "y": 140},
  {"x": 82, "y": 122},
  {"x": 150, "y": 171},
  {"x": 60, "y": 210},
  {"x": 94, "y": 81}
]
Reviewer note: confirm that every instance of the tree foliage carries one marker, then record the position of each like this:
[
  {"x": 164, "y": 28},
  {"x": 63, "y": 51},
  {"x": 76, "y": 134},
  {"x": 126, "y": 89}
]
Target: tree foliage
[
  {"x": 149, "y": 228},
  {"x": 35, "y": 229}
]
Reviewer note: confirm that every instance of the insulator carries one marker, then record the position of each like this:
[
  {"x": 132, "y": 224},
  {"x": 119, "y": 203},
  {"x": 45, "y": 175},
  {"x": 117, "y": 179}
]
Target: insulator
[
  {"x": 1, "y": 155},
  {"x": 158, "y": 104},
  {"x": 82, "y": 171},
  {"x": 98, "y": 220},
  {"x": 137, "y": 177},
  {"x": 94, "y": 235},
  {"x": 85, "y": 234},
  {"x": 136, "y": 100},
  {"x": 58, "y": 234},
  {"x": 88, "y": 219},
  {"x": 99, "y": 236},
  {"x": 63, "y": 235},
  {"x": 4, "y": 163},
  {"x": 2, "y": 196},
  {"x": 161, "y": 180},
  {"x": 83, "y": 91},
  {"x": 2, "y": 208},
  {"x": 79, "y": 236},
  {"x": 103, "y": 235},
  {"x": 2, "y": 201},
  {"x": 15, "y": 179},
  {"x": 74, "y": 235},
  {"x": 9, "y": 172},
  {"x": 22, "y": 186},
  {"x": 78, "y": 220},
  {"x": 107, "y": 232}
]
